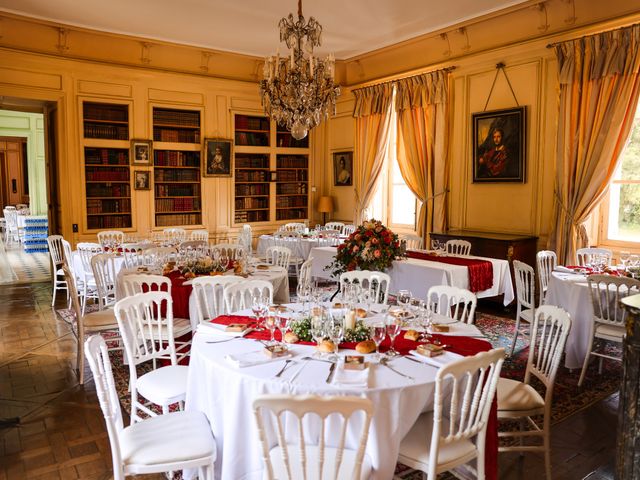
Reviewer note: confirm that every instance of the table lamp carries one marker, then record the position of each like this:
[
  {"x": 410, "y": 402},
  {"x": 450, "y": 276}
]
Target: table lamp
[{"x": 325, "y": 205}]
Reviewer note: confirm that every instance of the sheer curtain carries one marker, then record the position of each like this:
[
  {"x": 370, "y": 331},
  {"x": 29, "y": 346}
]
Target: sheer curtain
[
  {"x": 599, "y": 90},
  {"x": 422, "y": 104},
  {"x": 373, "y": 119}
]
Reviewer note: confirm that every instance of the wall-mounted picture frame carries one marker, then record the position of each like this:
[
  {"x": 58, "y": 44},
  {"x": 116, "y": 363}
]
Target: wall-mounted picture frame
[
  {"x": 499, "y": 146},
  {"x": 343, "y": 169},
  {"x": 141, "y": 180},
  {"x": 141, "y": 151},
  {"x": 218, "y": 155}
]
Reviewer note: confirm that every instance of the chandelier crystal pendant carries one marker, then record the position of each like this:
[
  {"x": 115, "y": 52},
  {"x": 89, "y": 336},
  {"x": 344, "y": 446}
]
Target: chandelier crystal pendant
[{"x": 298, "y": 91}]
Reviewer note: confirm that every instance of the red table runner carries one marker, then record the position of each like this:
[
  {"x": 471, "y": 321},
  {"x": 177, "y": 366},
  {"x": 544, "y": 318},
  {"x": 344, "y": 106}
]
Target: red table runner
[
  {"x": 465, "y": 346},
  {"x": 179, "y": 294},
  {"x": 480, "y": 271}
]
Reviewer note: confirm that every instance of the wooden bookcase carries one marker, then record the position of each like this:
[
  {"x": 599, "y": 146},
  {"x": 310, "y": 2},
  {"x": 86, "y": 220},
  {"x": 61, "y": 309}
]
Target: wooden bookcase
[
  {"x": 251, "y": 187},
  {"x": 285, "y": 140},
  {"x": 252, "y": 131},
  {"x": 107, "y": 175},
  {"x": 176, "y": 167},
  {"x": 292, "y": 187}
]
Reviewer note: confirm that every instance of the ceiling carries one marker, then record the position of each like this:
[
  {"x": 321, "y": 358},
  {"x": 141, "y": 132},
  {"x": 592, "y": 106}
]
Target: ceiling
[{"x": 350, "y": 27}]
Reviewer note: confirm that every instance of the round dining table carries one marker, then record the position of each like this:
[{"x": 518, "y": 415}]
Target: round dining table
[{"x": 225, "y": 390}]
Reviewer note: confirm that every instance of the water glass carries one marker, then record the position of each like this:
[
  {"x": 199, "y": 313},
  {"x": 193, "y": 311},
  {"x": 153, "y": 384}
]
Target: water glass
[
  {"x": 404, "y": 298},
  {"x": 394, "y": 326},
  {"x": 378, "y": 334},
  {"x": 282, "y": 324},
  {"x": 259, "y": 306}
]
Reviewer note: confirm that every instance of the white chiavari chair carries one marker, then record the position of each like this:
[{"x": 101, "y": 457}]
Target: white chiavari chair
[
  {"x": 103, "y": 266},
  {"x": 57, "y": 257},
  {"x": 199, "y": 235},
  {"x": 547, "y": 260},
  {"x": 584, "y": 256},
  {"x": 110, "y": 238},
  {"x": 279, "y": 256},
  {"x": 377, "y": 283},
  {"x": 526, "y": 297},
  {"x": 209, "y": 292},
  {"x": 348, "y": 230},
  {"x": 85, "y": 251},
  {"x": 458, "y": 247},
  {"x": 453, "y": 302},
  {"x": 239, "y": 295},
  {"x": 334, "y": 226},
  {"x": 413, "y": 242}
]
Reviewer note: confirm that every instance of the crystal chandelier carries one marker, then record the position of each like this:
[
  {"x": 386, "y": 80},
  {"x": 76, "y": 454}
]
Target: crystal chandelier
[{"x": 298, "y": 90}]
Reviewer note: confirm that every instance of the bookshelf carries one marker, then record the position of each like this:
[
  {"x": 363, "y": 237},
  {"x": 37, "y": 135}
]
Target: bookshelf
[
  {"x": 285, "y": 140},
  {"x": 292, "y": 187},
  {"x": 177, "y": 188},
  {"x": 177, "y": 126},
  {"x": 252, "y": 131},
  {"x": 107, "y": 178},
  {"x": 251, "y": 187}
]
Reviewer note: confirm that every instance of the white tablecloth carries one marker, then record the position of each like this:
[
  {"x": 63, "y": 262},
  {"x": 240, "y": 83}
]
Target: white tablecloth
[
  {"x": 418, "y": 275},
  {"x": 225, "y": 394},
  {"x": 300, "y": 247}
]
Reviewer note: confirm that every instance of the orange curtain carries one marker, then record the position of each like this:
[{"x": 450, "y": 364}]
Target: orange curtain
[
  {"x": 423, "y": 137},
  {"x": 373, "y": 119},
  {"x": 599, "y": 88}
]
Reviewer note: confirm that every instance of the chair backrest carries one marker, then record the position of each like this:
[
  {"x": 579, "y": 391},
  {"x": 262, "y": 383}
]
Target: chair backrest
[
  {"x": 199, "y": 235},
  {"x": 110, "y": 238},
  {"x": 584, "y": 256},
  {"x": 305, "y": 272},
  {"x": 376, "y": 282},
  {"x": 56, "y": 250},
  {"x": 606, "y": 293},
  {"x": 132, "y": 253},
  {"x": 86, "y": 250},
  {"x": 175, "y": 235},
  {"x": 66, "y": 248},
  {"x": 525, "y": 285},
  {"x": 274, "y": 412},
  {"x": 95, "y": 349},
  {"x": 134, "y": 283},
  {"x": 453, "y": 302},
  {"x": 293, "y": 227},
  {"x": 458, "y": 247},
  {"x": 464, "y": 392},
  {"x": 334, "y": 226},
  {"x": 209, "y": 292},
  {"x": 230, "y": 249},
  {"x": 279, "y": 256},
  {"x": 348, "y": 229},
  {"x": 103, "y": 266},
  {"x": 245, "y": 238},
  {"x": 193, "y": 244},
  {"x": 158, "y": 255},
  {"x": 547, "y": 260},
  {"x": 238, "y": 296},
  {"x": 413, "y": 242}
]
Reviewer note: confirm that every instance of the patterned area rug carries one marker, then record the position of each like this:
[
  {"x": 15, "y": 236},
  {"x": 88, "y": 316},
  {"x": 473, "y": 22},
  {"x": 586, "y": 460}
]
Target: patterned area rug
[{"x": 28, "y": 267}]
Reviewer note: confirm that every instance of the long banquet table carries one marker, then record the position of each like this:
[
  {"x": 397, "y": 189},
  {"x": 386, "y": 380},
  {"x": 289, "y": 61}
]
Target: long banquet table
[
  {"x": 225, "y": 394},
  {"x": 419, "y": 275}
]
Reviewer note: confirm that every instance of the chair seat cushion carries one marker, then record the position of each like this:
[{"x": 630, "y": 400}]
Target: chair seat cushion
[
  {"x": 312, "y": 453},
  {"x": 100, "y": 320},
  {"x": 610, "y": 332},
  {"x": 172, "y": 438},
  {"x": 164, "y": 385},
  {"x": 515, "y": 396},
  {"x": 415, "y": 448},
  {"x": 527, "y": 315}
]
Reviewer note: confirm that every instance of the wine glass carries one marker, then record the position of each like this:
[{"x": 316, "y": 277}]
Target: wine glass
[
  {"x": 317, "y": 328},
  {"x": 426, "y": 319},
  {"x": 271, "y": 325},
  {"x": 404, "y": 298},
  {"x": 259, "y": 307},
  {"x": 335, "y": 330},
  {"x": 303, "y": 290},
  {"x": 282, "y": 324},
  {"x": 378, "y": 334},
  {"x": 394, "y": 326},
  {"x": 624, "y": 258}
]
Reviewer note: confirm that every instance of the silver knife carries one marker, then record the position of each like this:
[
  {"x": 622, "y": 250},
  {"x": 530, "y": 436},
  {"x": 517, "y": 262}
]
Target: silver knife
[{"x": 331, "y": 369}]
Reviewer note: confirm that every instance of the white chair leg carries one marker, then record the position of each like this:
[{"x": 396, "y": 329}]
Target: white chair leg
[
  {"x": 600, "y": 366},
  {"x": 547, "y": 447},
  {"x": 586, "y": 362},
  {"x": 515, "y": 336}
]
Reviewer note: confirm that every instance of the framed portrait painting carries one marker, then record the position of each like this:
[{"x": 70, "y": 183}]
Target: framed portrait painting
[
  {"x": 141, "y": 152},
  {"x": 342, "y": 169},
  {"x": 142, "y": 179},
  {"x": 217, "y": 153},
  {"x": 499, "y": 146}
]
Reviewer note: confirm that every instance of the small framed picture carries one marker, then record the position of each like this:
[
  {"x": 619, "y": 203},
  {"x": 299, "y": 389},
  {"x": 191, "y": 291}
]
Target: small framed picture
[
  {"x": 142, "y": 179},
  {"x": 217, "y": 153},
  {"x": 343, "y": 169},
  {"x": 141, "y": 152},
  {"x": 499, "y": 146}
]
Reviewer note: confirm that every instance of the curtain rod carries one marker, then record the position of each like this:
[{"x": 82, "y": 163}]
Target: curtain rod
[
  {"x": 444, "y": 69},
  {"x": 554, "y": 44}
]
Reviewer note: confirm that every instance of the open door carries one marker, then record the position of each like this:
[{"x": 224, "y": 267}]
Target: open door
[{"x": 51, "y": 136}]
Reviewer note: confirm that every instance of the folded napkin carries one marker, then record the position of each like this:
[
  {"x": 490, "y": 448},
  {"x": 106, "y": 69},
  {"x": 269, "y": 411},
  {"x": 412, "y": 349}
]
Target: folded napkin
[
  {"x": 255, "y": 357},
  {"x": 439, "y": 361},
  {"x": 560, "y": 268},
  {"x": 460, "y": 329},
  {"x": 218, "y": 329},
  {"x": 351, "y": 378}
]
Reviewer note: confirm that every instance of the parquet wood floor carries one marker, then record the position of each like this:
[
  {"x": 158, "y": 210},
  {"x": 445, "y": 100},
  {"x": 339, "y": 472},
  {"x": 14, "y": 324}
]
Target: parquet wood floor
[{"x": 62, "y": 435}]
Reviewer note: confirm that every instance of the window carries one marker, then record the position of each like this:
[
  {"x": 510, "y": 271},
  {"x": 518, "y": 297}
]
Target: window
[{"x": 623, "y": 212}]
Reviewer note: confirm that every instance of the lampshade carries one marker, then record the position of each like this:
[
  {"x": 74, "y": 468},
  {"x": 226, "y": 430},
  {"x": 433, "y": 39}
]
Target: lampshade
[{"x": 325, "y": 205}]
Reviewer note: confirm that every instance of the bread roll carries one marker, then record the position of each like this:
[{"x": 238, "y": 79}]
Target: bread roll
[
  {"x": 327, "y": 346},
  {"x": 439, "y": 327},
  {"x": 412, "y": 335},
  {"x": 367, "y": 346},
  {"x": 361, "y": 312},
  {"x": 291, "y": 337}
]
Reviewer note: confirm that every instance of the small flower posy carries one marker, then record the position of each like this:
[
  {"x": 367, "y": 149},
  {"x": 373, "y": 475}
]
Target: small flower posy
[{"x": 372, "y": 246}]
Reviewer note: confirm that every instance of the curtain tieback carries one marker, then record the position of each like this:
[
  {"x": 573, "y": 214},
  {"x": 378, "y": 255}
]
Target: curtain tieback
[{"x": 443, "y": 192}]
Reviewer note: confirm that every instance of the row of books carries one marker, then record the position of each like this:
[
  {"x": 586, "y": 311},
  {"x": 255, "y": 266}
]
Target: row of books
[
  {"x": 106, "y": 156},
  {"x": 291, "y": 214},
  {"x": 287, "y": 141},
  {"x": 106, "y": 175},
  {"x": 249, "y": 217},
  {"x": 252, "y": 190},
  {"x": 252, "y": 161},
  {"x": 178, "y": 190},
  {"x": 178, "y": 219},
  {"x": 95, "y": 206},
  {"x": 109, "y": 132},
  {"x": 114, "y": 190},
  {"x": 291, "y": 189},
  {"x": 177, "y": 204},
  {"x": 173, "y": 158},
  {"x": 247, "y": 176},
  {"x": 109, "y": 221},
  {"x": 288, "y": 176},
  {"x": 251, "y": 123},
  {"x": 248, "y": 203},
  {"x": 282, "y": 202},
  {"x": 176, "y": 135},
  {"x": 176, "y": 117},
  {"x": 102, "y": 111},
  {"x": 252, "y": 139},
  {"x": 292, "y": 161},
  {"x": 162, "y": 175}
]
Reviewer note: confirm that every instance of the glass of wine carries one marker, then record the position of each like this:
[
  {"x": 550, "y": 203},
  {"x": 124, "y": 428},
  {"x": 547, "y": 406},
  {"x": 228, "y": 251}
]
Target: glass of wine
[
  {"x": 394, "y": 326},
  {"x": 378, "y": 334},
  {"x": 259, "y": 308}
]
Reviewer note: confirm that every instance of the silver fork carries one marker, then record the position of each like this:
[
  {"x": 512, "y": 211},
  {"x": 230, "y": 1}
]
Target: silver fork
[
  {"x": 385, "y": 361},
  {"x": 287, "y": 362}
]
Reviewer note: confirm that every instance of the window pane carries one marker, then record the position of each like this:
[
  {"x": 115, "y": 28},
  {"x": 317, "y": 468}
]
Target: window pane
[
  {"x": 629, "y": 212},
  {"x": 404, "y": 206},
  {"x": 630, "y": 168}
]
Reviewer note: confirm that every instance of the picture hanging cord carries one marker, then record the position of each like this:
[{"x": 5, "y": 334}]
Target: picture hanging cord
[{"x": 500, "y": 66}]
